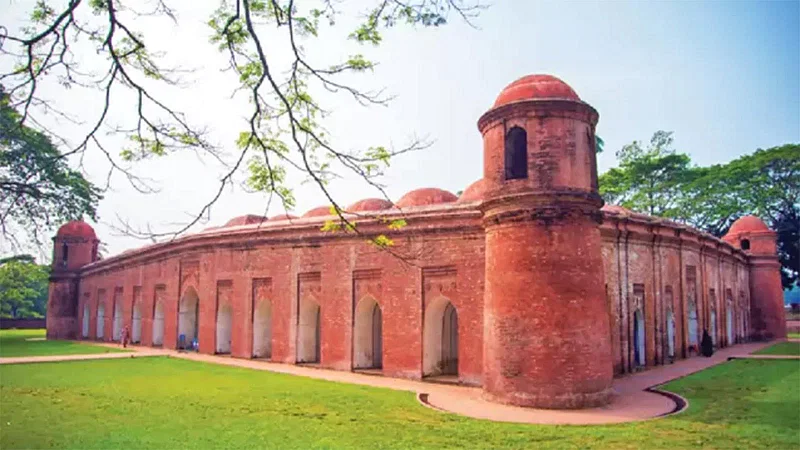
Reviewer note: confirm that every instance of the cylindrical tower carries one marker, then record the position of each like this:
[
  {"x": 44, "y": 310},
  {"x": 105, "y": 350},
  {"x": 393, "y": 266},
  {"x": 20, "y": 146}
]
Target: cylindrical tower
[
  {"x": 546, "y": 332},
  {"x": 74, "y": 246},
  {"x": 767, "y": 317}
]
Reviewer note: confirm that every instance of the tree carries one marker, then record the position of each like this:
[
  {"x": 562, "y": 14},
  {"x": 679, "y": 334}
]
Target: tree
[
  {"x": 38, "y": 190},
  {"x": 766, "y": 183},
  {"x": 285, "y": 129},
  {"x": 23, "y": 289},
  {"x": 649, "y": 179}
]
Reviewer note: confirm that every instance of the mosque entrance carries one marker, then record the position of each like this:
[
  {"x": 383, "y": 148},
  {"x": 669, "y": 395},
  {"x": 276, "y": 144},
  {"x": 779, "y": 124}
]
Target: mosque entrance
[
  {"x": 116, "y": 333},
  {"x": 638, "y": 338},
  {"x": 670, "y": 334},
  {"x": 440, "y": 337},
  {"x": 224, "y": 326},
  {"x": 693, "y": 326},
  {"x": 101, "y": 321},
  {"x": 158, "y": 324},
  {"x": 262, "y": 330},
  {"x": 136, "y": 322},
  {"x": 85, "y": 326},
  {"x": 188, "y": 315},
  {"x": 729, "y": 323},
  {"x": 368, "y": 335},
  {"x": 713, "y": 327},
  {"x": 308, "y": 333}
]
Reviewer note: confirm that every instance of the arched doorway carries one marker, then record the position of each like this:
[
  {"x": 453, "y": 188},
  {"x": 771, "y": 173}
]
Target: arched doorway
[
  {"x": 638, "y": 338},
  {"x": 116, "y": 332},
  {"x": 262, "y": 330},
  {"x": 693, "y": 326},
  {"x": 158, "y": 324},
  {"x": 101, "y": 321},
  {"x": 729, "y": 323},
  {"x": 308, "y": 333},
  {"x": 440, "y": 337},
  {"x": 368, "y": 335},
  {"x": 713, "y": 327},
  {"x": 85, "y": 325},
  {"x": 670, "y": 334},
  {"x": 188, "y": 320},
  {"x": 136, "y": 324},
  {"x": 742, "y": 329},
  {"x": 224, "y": 326}
]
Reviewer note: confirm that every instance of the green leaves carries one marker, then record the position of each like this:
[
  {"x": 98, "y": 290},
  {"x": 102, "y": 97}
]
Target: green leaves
[
  {"x": 23, "y": 289},
  {"x": 658, "y": 181},
  {"x": 648, "y": 179},
  {"x": 39, "y": 189}
]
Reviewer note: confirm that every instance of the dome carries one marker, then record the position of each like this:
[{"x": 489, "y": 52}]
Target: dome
[
  {"x": 319, "y": 211},
  {"x": 536, "y": 87},
  {"x": 426, "y": 196},
  {"x": 282, "y": 217},
  {"x": 747, "y": 224},
  {"x": 247, "y": 219},
  {"x": 76, "y": 229},
  {"x": 473, "y": 192},
  {"x": 616, "y": 209},
  {"x": 369, "y": 204}
]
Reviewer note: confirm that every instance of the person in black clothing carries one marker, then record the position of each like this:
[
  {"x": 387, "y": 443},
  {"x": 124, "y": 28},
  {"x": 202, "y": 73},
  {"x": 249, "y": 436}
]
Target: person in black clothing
[{"x": 706, "y": 345}]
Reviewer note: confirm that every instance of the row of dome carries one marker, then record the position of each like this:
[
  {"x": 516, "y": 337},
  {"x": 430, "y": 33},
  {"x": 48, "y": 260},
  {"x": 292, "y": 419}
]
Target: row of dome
[{"x": 417, "y": 197}]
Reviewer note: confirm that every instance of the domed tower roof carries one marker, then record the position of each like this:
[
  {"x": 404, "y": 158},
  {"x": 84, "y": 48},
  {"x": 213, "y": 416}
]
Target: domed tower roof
[
  {"x": 319, "y": 211},
  {"x": 426, "y": 196},
  {"x": 369, "y": 204},
  {"x": 747, "y": 224},
  {"x": 247, "y": 219},
  {"x": 536, "y": 87},
  {"x": 473, "y": 192},
  {"x": 280, "y": 217},
  {"x": 76, "y": 229}
]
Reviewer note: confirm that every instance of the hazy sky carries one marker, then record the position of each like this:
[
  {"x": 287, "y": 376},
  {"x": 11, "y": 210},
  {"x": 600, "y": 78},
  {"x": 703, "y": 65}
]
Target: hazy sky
[{"x": 724, "y": 76}]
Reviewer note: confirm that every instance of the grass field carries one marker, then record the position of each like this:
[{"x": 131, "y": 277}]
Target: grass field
[
  {"x": 171, "y": 403},
  {"x": 793, "y": 335},
  {"x": 18, "y": 343},
  {"x": 781, "y": 348}
]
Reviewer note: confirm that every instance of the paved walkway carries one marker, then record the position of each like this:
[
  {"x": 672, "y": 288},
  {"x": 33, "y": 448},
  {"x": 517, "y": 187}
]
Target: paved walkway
[
  {"x": 632, "y": 402},
  {"x": 138, "y": 353}
]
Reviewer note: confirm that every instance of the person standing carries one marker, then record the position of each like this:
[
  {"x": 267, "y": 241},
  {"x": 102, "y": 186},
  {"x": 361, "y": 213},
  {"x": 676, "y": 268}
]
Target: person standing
[{"x": 125, "y": 336}]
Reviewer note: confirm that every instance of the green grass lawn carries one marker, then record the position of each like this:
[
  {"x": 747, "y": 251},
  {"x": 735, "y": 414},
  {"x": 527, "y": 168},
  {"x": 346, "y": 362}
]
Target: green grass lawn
[
  {"x": 781, "y": 348},
  {"x": 172, "y": 403},
  {"x": 793, "y": 335},
  {"x": 17, "y": 343}
]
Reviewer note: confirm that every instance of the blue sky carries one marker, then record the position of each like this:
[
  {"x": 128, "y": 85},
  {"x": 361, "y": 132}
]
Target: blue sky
[{"x": 723, "y": 76}]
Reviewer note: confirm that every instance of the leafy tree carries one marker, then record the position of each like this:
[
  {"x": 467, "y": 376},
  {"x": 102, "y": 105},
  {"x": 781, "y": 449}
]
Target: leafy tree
[
  {"x": 285, "y": 130},
  {"x": 23, "y": 289},
  {"x": 766, "y": 183},
  {"x": 38, "y": 190},
  {"x": 650, "y": 179}
]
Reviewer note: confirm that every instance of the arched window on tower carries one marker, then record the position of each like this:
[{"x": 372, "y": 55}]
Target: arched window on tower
[
  {"x": 516, "y": 153},
  {"x": 64, "y": 254},
  {"x": 745, "y": 244}
]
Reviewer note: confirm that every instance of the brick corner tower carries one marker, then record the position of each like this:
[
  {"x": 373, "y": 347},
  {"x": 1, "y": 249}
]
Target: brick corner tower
[
  {"x": 546, "y": 329},
  {"x": 767, "y": 317},
  {"x": 74, "y": 246}
]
